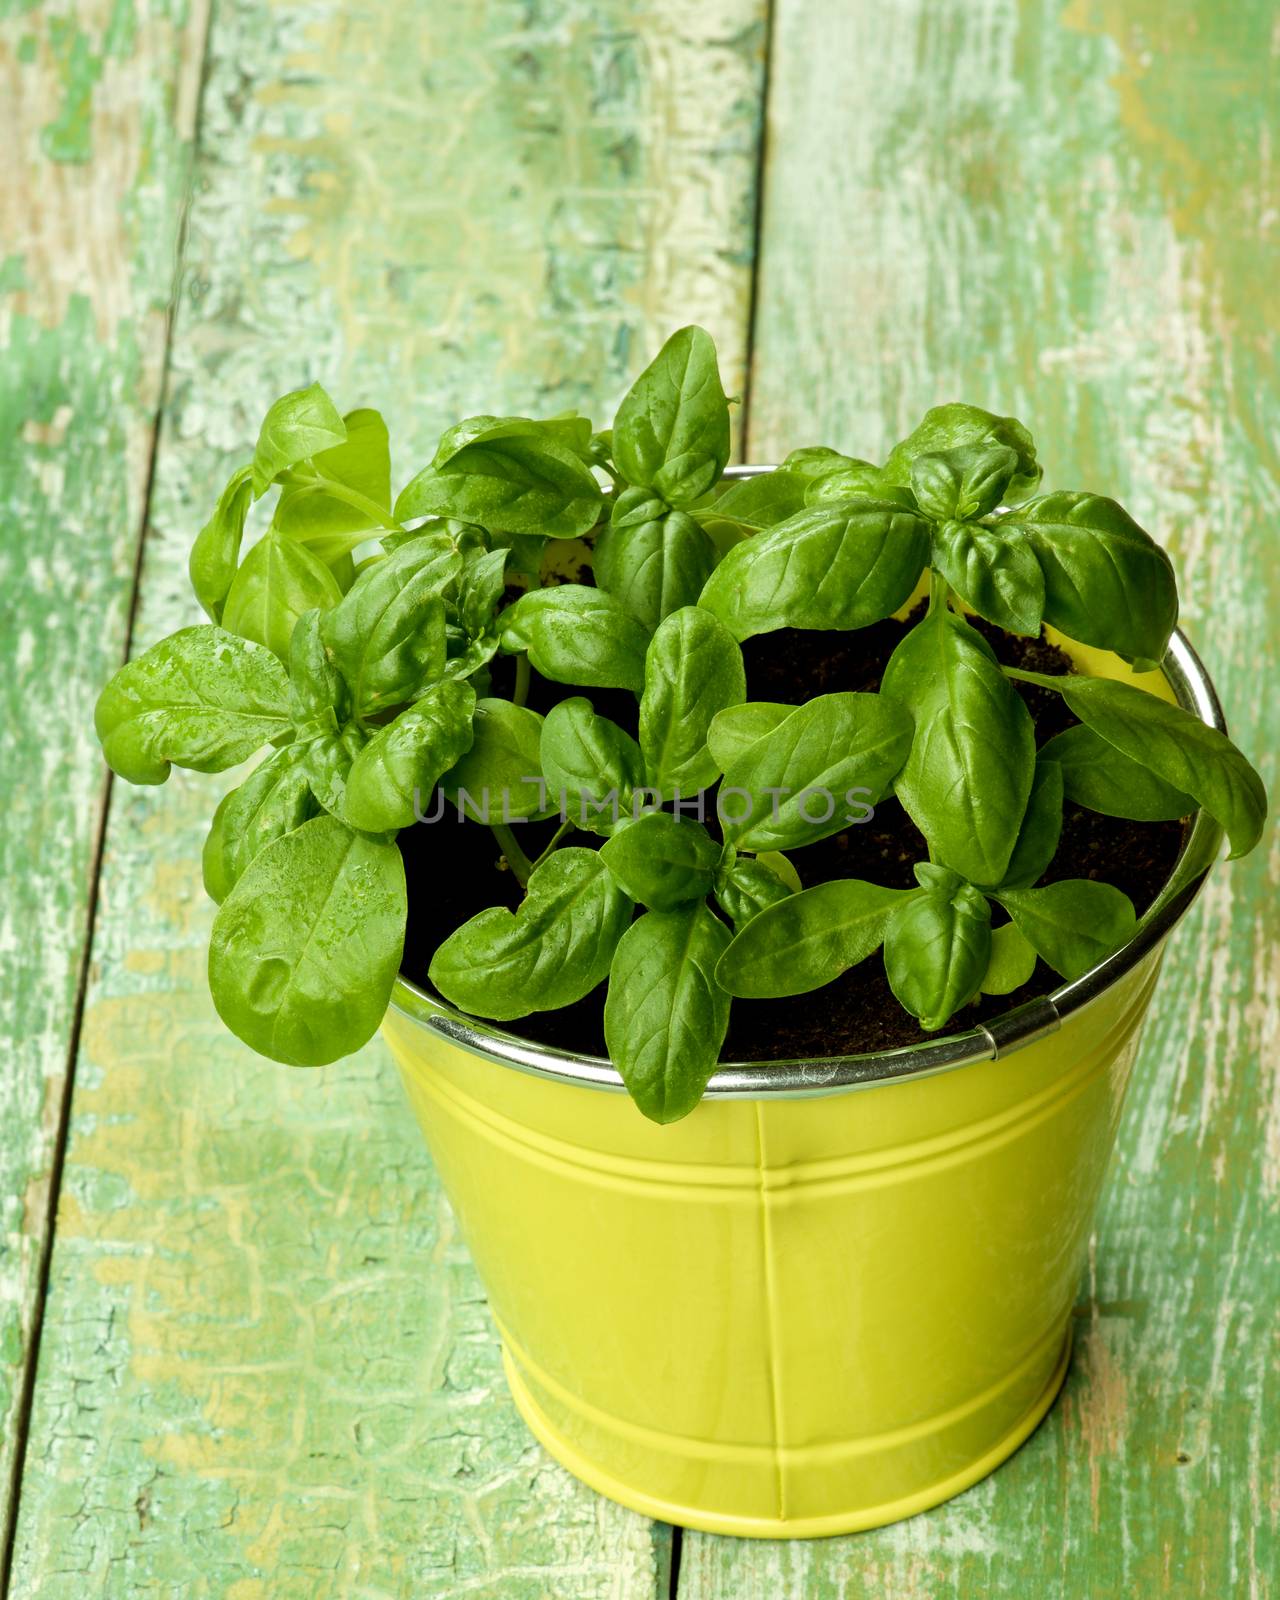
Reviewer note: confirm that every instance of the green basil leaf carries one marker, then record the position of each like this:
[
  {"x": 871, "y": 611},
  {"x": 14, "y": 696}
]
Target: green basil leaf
[
  {"x": 859, "y": 480},
  {"x": 735, "y": 729},
  {"x": 816, "y": 461},
  {"x": 746, "y": 885},
  {"x": 318, "y": 699},
  {"x": 327, "y": 762},
  {"x": 342, "y": 497},
  {"x": 1041, "y": 826},
  {"x": 273, "y": 800},
  {"x": 480, "y": 590},
  {"x": 966, "y": 482},
  {"x": 1106, "y": 582},
  {"x": 514, "y": 484},
  {"x": 592, "y": 767},
  {"x": 693, "y": 670},
  {"x": 666, "y": 1016},
  {"x": 762, "y": 501},
  {"x": 793, "y": 786},
  {"x": 1097, "y": 775},
  {"x": 216, "y": 551},
  {"x": 634, "y": 507},
  {"x": 202, "y": 698},
  {"x": 952, "y": 426},
  {"x": 393, "y": 777},
  {"x": 781, "y": 868},
  {"x": 306, "y": 947},
  {"x": 937, "y": 946},
  {"x": 571, "y": 432},
  {"x": 468, "y": 660},
  {"x": 672, "y": 429},
  {"x": 217, "y": 885},
  {"x": 655, "y": 568},
  {"x": 388, "y": 634},
  {"x": 1012, "y": 961},
  {"x": 579, "y": 635},
  {"x": 808, "y": 939},
  {"x": 841, "y": 566},
  {"x": 556, "y": 948},
  {"x": 966, "y": 782},
  {"x": 1188, "y": 754},
  {"x": 995, "y": 571},
  {"x": 500, "y": 777},
  {"x": 662, "y": 861},
  {"x": 297, "y": 426},
  {"x": 277, "y": 581},
  {"x": 1073, "y": 924}
]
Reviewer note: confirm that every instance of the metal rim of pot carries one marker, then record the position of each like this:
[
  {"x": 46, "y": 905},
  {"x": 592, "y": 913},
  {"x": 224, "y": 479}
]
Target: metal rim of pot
[{"x": 1011, "y": 1031}]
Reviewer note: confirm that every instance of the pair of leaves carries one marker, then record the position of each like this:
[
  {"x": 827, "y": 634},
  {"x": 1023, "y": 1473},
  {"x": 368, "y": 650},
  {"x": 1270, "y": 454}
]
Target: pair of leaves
[
  {"x": 1187, "y": 756},
  {"x": 336, "y": 489},
  {"x": 1106, "y": 582},
  {"x": 813, "y": 476},
  {"x": 936, "y": 938},
  {"x": 665, "y": 1041},
  {"x": 957, "y": 426},
  {"x": 1095, "y": 774},
  {"x": 691, "y": 670},
  {"x": 939, "y": 948},
  {"x": 340, "y": 497},
  {"x": 1078, "y": 561}
]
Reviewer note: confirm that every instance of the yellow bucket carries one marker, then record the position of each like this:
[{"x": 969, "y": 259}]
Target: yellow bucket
[{"x": 840, "y": 1291}]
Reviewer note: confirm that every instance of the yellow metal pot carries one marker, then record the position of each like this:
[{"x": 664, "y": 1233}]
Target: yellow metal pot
[{"x": 837, "y": 1293}]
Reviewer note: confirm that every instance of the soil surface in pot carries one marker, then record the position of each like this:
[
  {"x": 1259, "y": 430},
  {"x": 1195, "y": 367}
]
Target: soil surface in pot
[{"x": 456, "y": 868}]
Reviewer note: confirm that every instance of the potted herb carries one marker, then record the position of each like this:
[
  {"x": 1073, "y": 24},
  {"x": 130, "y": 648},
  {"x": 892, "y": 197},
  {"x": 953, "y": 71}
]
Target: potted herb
[{"x": 737, "y": 792}]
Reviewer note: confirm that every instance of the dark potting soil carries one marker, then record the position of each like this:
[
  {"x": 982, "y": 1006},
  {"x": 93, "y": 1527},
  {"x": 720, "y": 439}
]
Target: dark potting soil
[{"x": 455, "y": 868}]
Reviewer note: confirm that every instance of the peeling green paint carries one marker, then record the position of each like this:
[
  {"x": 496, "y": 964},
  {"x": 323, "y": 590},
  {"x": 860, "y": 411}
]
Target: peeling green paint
[
  {"x": 67, "y": 136},
  {"x": 80, "y": 363}
]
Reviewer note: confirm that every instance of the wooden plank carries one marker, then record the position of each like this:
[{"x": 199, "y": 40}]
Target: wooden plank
[
  {"x": 268, "y": 1369},
  {"x": 96, "y": 116},
  {"x": 1064, "y": 212}
]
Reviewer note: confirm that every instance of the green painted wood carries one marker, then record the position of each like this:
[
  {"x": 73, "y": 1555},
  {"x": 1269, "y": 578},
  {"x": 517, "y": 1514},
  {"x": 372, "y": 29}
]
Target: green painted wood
[
  {"x": 267, "y": 1367},
  {"x": 1068, "y": 212},
  {"x": 96, "y": 115}
]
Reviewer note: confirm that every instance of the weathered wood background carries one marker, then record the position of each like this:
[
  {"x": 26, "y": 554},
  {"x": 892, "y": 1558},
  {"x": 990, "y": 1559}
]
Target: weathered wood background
[{"x": 265, "y": 1368}]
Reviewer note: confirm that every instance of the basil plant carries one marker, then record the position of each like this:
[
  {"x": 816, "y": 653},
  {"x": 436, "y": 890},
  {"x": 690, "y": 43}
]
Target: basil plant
[{"x": 354, "y": 644}]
